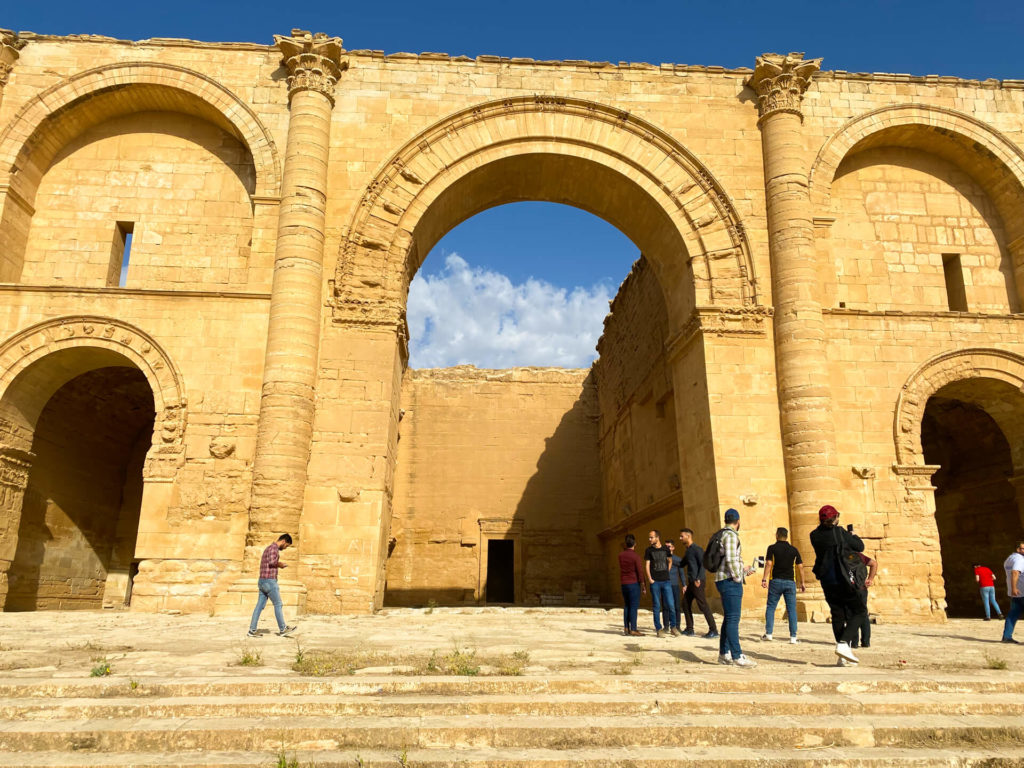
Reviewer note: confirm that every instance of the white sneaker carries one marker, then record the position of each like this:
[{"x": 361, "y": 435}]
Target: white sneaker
[
  {"x": 766, "y": 636},
  {"x": 725, "y": 658},
  {"x": 793, "y": 640},
  {"x": 743, "y": 661},
  {"x": 844, "y": 651}
]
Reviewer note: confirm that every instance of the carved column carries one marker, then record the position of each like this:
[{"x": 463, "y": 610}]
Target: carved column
[
  {"x": 14, "y": 469},
  {"x": 10, "y": 50},
  {"x": 808, "y": 433},
  {"x": 314, "y": 65}
]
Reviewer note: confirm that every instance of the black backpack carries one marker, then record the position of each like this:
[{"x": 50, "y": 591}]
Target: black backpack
[
  {"x": 851, "y": 567},
  {"x": 714, "y": 553}
]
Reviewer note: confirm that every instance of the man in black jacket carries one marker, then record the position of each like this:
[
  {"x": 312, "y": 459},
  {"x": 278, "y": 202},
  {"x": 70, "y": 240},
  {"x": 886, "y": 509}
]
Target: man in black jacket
[
  {"x": 845, "y": 602},
  {"x": 693, "y": 589}
]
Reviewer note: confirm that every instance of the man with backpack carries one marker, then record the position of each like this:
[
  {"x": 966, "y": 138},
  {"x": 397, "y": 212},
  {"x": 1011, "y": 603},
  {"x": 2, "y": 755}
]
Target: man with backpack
[
  {"x": 839, "y": 568},
  {"x": 723, "y": 557},
  {"x": 693, "y": 588}
]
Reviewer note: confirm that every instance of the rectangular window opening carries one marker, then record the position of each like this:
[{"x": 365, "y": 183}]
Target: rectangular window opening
[
  {"x": 956, "y": 293},
  {"x": 120, "y": 253}
]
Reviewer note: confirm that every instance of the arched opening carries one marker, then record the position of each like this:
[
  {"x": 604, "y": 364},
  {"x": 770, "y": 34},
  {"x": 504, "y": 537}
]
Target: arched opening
[
  {"x": 523, "y": 288},
  {"x": 966, "y": 430},
  {"x": 84, "y": 417}
]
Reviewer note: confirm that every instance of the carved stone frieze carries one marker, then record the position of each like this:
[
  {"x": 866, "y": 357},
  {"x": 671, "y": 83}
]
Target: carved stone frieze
[
  {"x": 745, "y": 321},
  {"x": 780, "y": 82},
  {"x": 313, "y": 61},
  {"x": 10, "y": 50}
]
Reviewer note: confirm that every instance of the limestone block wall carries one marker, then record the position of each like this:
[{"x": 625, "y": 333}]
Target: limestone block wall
[
  {"x": 496, "y": 454},
  {"x": 179, "y": 183}
]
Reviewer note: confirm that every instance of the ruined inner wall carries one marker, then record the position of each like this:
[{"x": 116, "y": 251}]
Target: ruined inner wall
[
  {"x": 496, "y": 454},
  {"x": 638, "y": 444}
]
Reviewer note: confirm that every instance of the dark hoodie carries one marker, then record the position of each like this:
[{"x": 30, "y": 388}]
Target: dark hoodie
[{"x": 825, "y": 539}]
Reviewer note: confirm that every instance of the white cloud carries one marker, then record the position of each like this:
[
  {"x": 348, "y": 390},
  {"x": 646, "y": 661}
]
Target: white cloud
[{"x": 472, "y": 315}]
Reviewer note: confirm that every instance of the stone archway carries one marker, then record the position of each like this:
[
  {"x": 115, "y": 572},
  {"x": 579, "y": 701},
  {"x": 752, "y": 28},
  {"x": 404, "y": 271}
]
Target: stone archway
[
  {"x": 555, "y": 149},
  {"x": 47, "y": 123},
  {"x": 992, "y": 160},
  {"x": 49, "y": 368},
  {"x": 959, "y": 439}
]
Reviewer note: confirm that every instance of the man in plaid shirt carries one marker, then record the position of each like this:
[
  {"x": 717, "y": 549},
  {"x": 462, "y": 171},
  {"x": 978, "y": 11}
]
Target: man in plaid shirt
[
  {"x": 269, "y": 563},
  {"x": 729, "y": 581}
]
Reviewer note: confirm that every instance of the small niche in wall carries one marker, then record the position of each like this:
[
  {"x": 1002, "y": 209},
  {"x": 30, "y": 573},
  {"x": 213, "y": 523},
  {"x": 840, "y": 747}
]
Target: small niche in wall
[
  {"x": 956, "y": 293},
  {"x": 120, "y": 254}
]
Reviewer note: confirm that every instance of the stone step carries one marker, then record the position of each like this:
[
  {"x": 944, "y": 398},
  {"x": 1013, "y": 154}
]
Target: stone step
[
  {"x": 268, "y": 734},
  {"x": 627, "y": 757},
  {"x": 727, "y": 681},
  {"x": 666, "y": 702}
]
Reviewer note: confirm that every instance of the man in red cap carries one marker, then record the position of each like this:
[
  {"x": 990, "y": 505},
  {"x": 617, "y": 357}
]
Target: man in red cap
[{"x": 830, "y": 541}]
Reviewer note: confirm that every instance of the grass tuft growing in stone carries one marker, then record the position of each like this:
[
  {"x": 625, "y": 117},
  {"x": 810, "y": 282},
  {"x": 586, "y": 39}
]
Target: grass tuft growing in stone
[
  {"x": 994, "y": 662},
  {"x": 459, "y": 661},
  {"x": 102, "y": 667},
  {"x": 318, "y": 663},
  {"x": 513, "y": 663},
  {"x": 249, "y": 657}
]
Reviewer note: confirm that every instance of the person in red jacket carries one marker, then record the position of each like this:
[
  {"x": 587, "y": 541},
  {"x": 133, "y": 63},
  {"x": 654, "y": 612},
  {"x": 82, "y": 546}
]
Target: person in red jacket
[
  {"x": 987, "y": 584},
  {"x": 631, "y": 577}
]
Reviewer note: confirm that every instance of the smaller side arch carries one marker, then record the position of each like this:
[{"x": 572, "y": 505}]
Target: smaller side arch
[
  {"x": 933, "y": 375},
  {"x": 950, "y": 133},
  {"x": 84, "y": 339},
  {"x": 134, "y": 87}
]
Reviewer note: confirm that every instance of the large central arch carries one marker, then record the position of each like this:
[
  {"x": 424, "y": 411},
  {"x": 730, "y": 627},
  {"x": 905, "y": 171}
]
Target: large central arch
[{"x": 597, "y": 158}]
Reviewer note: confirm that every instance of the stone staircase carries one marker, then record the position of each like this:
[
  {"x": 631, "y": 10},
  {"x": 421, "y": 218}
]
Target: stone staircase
[{"x": 730, "y": 718}]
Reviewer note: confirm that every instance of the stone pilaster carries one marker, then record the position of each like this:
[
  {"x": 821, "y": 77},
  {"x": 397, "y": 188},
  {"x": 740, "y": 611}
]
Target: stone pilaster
[
  {"x": 808, "y": 433},
  {"x": 314, "y": 65},
  {"x": 14, "y": 469},
  {"x": 10, "y": 50}
]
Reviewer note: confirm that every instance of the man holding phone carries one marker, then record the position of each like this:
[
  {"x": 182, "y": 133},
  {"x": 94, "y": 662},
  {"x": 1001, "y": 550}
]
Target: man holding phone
[{"x": 782, "y": 564}]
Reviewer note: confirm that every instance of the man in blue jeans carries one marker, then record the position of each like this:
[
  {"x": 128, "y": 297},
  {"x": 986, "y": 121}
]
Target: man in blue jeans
[
  {"x": 782, "y": 564},
  {"x": 269, "y": 563},
  {"x": 729, "y": 580},
  {"x": 658, "y": 563}
]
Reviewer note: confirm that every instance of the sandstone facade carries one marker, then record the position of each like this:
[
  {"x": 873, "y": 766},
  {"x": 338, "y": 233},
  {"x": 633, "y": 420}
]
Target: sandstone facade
[{"x": 827, "y": 310}]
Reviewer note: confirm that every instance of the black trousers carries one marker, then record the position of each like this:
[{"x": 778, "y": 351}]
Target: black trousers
[
  {"x": 697, "y": 593},
  {"x": 848, "y": 611}
]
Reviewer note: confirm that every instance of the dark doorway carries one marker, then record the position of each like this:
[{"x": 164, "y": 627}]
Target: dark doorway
[
  {"x": 501, "y": 581},
  {"x": 975, "y": 506}
]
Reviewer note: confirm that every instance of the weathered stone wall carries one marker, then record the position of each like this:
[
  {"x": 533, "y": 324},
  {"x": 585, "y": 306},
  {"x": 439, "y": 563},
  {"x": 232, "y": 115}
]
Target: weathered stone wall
[
  {"x": 496, "y": 454},
  {"x": 795, "y": 222}
]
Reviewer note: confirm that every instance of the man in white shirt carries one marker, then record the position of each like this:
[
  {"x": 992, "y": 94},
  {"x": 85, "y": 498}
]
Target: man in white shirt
[{"x": 1014, "y": 567}]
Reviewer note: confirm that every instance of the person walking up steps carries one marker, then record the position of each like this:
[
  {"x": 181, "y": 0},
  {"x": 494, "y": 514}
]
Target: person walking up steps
[
  {"x": 269, "y": 563},
  {"x": 693, "y": 561},
  {"x": 831, "y": 543}
]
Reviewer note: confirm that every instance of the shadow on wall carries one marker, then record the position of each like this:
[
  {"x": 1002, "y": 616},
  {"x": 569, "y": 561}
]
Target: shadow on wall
[{"x": 560, "y": 512}]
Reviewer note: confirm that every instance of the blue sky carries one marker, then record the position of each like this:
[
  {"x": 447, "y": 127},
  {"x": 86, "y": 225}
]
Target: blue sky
[{"x": 484, "y": 286}]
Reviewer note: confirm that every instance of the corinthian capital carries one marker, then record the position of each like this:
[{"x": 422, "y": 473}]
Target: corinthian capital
[
  {"x": 313, "y": 61},
  {"x": 10, "y": 47},
  {"x": 780, "y": 82}
]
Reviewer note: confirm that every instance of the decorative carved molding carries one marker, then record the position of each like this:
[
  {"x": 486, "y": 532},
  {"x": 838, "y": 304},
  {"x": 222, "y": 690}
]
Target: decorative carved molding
[
  {"x": 933, "y": 375},
  {"x": 37, "y": 341},
  {"x": 780, "y": 82},
  {"x": 313, "y": 62},
  {"x": 10, "y": 50},
  {"x": 409, "y": 181},
  {"x": 864, "y": 473},
  {"x": 720, "y": 321}
]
